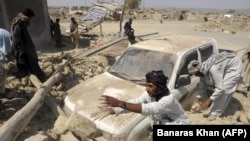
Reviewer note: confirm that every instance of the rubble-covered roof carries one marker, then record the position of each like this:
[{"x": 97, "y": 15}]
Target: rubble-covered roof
[
  {"x": 97, "y": 13},
  {"x": 110, "y": 6}
]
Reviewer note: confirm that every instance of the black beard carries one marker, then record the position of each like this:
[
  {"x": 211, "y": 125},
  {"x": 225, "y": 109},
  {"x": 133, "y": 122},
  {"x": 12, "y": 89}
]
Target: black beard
[{"x": 160, "y": 92}]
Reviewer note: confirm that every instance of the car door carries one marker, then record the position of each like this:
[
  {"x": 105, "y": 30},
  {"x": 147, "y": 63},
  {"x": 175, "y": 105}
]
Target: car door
[{"x": 187, "y": 92}]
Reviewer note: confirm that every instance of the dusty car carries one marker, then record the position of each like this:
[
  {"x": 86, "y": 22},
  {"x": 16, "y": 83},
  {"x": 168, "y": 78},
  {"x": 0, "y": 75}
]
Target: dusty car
[{"x": 126, "y": 78}]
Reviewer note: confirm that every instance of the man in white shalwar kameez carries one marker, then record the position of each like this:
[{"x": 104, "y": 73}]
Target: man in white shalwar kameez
[
  {"x": 220, "y": 76},
  {"x": 156, "y": 102}
]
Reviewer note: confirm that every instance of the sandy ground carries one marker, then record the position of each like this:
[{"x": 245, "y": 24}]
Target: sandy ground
[{"x": 142, "y": 27}]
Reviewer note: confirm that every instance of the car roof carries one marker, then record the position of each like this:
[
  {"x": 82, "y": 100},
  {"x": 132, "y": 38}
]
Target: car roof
[{"x": 171, "y": 43}]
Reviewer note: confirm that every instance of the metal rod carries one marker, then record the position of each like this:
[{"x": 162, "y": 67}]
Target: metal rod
[{"x": 112, "y": 43}]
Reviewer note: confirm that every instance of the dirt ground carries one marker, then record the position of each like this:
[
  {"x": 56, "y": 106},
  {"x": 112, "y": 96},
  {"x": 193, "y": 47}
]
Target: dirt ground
[{"x": 43, "y": 123}]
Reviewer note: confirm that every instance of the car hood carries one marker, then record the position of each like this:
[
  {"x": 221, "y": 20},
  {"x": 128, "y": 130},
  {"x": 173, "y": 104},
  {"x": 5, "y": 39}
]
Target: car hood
[{"x": 84, "y": 100}]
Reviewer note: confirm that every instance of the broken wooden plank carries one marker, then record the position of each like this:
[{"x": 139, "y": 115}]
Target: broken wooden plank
[{"x": 14, "y": 126}]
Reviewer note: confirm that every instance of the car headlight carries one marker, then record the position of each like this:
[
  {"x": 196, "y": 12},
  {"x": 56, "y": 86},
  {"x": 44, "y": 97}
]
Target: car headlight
[{"x": 112, "y": 137}]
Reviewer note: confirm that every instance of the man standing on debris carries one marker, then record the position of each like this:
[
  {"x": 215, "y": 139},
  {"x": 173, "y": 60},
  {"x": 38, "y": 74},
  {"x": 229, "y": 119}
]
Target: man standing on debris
[
  {"x": 156, "y": 102},
  {"x": 74, "y": 33},
  {"x": 51, "y": 26},
  {"x": 128, "y": 27},
  {"x": 57, "y": 33},
  {"x": 219, "y": 76},
  {"x": 5, "y": 50},
  {"x": 24, "y": 49},
  {"x": 129, "y": 31}
]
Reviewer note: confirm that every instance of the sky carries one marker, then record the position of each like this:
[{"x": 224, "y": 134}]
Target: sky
[{"x": 215, "y": 4}]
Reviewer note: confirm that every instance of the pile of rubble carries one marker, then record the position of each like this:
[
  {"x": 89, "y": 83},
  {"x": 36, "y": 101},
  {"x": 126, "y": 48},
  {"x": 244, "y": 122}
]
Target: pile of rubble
[
  {"x": 224, "y": 23},
  {"x": 20, "y": 91},
  {"x": 213, "y": 21}
]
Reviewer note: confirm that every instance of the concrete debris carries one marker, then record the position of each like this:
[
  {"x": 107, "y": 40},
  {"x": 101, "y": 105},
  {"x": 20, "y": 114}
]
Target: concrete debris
[
  {"x": 37, "y": 137},
  {"x": 82, "y": 127},
  {"x": 196, "y": 108}
]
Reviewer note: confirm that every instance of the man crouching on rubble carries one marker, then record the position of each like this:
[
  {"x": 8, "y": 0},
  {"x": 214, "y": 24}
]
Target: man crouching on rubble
[{"x": 220, "y": 75}]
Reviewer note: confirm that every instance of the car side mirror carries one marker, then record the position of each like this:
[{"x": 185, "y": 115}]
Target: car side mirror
[
  {"x": 183, "y": 80},
  {"x": 112, "y": 59}
]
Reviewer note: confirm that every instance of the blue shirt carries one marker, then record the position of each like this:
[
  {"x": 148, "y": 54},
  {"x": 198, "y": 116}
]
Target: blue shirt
[{"x": 5, "y": 44}]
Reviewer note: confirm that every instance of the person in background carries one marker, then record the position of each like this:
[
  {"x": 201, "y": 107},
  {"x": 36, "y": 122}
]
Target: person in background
[
  {"x": 74, "y": 33},
  {"x": 57, "y": 33},
  {"x": 129, "y": 31},
  {"x": 51, "y": 25},
  {"x": 219, "y": 76},
  {"x": 5, "y": 50},
  {"x": 156, "y": 102},
  {"x": 131, "y": 39},
  {"x": 128, "y": 27},
  {"x": 23, "y": 47}
]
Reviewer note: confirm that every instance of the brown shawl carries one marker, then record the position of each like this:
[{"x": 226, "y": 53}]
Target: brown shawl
[{"x": 20, "y": 16}]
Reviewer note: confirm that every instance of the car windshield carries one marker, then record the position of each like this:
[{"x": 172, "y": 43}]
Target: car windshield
[{"x": 136, "y": 62}]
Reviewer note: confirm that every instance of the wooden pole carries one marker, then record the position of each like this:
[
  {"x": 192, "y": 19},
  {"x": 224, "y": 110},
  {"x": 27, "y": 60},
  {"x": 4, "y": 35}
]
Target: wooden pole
[{"x": 14, "y": 126}]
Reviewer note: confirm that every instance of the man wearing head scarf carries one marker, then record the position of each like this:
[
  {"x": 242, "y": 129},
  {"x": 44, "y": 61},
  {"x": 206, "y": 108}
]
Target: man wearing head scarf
[
  {"x": 156, "y": 102},
  {"x": 23, "y": 47},
  {"x": 128, "y": 27},
  {"x": 129, "y": 31},
  {"x": 57, "y": 33},
  {"x": 220, "y": 75},
  {"x": 74, "y": 33},
  {"x": 5, "y": 50}
]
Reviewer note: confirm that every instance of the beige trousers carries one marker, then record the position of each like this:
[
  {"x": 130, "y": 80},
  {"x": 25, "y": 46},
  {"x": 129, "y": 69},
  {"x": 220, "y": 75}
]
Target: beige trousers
[{"x": 75, "y": 40}]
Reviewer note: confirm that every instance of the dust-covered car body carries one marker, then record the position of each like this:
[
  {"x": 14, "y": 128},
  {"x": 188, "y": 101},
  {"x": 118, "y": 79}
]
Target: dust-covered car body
[{"x": 126, "y": 79}]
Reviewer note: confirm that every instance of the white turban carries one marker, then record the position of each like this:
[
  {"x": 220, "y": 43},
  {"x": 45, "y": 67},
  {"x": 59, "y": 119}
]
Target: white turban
[{"x": 193, "y": 67}]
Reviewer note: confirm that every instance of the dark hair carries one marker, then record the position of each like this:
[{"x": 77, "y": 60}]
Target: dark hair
[
  {"x": 28, "y": 12},
  {"x": 157, "y": 77},
  {"x": 160, "y": 80}
]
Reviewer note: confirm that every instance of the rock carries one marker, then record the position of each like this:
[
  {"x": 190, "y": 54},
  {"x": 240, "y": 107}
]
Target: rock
[
  {"x": 10, "y": 78},
  {"x": 25, "y": 81},
  {"x": 82, "y": 127},
  {"x": 248, "y": 116},
  {"x": 16, "y": 83},
  {"x": 68, "y": 137},
  {"x": 99, "y": 70},
  {"x": 243, "y": 118},
  {"x": 59, "y": 87},
  {"x": 59, "y": 126},
  {"x": 37, "y": 137},
  {"x": 236, "y": 116},
  {"x": 196, "y": 108}
]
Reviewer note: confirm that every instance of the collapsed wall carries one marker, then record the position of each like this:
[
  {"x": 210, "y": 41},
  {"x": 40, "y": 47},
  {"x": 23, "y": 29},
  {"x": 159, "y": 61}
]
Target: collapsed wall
[{"x": 39, "y": 28}]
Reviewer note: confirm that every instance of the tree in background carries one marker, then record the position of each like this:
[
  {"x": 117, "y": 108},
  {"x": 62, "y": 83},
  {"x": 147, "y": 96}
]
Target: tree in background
[
  {"x": 129, "y": 4},
  {"x": 133, "y": 4}
]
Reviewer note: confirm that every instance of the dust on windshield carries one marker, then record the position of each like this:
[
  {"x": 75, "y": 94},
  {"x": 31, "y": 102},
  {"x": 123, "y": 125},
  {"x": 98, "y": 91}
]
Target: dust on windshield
[{"x": 135, "y": 63}]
